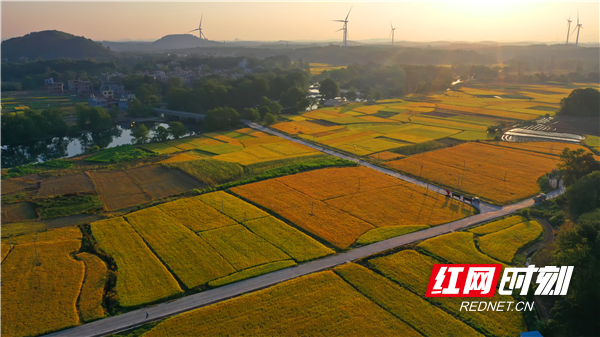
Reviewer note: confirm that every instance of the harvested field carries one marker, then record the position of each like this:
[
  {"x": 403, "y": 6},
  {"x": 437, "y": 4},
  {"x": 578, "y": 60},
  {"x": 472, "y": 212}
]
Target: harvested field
[
  {"x": 90, "y": 298},
  {"x": 40, "y": 299},
  {"x": 159, "y": 182},
  {"x": 20, "y": 184},
  {"x": 329, "y": 307},
  {"x": 241, "y": 248},
  {"x": 504, "y": 244},
  {"x": 18, "y": 212},
  {"x": 196, "y": 215},
  {"x": 142, "y": 278},
  {"x": 290, "y": 240},
  {"x": 485, "y": 168},
  {"x": 76, "y": 183},
  {"x": 412, "y": 309},
  {"x": 326, "y": 222},
  {"x": 117, "y": 190}
]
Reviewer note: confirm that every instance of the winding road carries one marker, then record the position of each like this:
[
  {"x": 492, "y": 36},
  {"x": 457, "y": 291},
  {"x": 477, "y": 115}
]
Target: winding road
[{"x": 136, "y": 318}]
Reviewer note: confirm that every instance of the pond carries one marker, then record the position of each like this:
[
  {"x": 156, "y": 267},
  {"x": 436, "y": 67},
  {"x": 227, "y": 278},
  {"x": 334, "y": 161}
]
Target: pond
[{"x": 66, "y": 147}]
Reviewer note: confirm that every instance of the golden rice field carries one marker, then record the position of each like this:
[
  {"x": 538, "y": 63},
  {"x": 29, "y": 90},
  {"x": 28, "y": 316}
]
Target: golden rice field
[
  {"x": 92, "y": 291},
  {"x": 504, "y": 244},
  {"x": 410, "y": 308},
  {"x": 251, "y": 272},
  {"x": 50, "y": 235},
  {"x": 329, "y": 306},
  {"x": 412, "y": 270},
  {"x": 497, "y": 225},
  {"x": 383, "y": 233},
  {"x": 38, "y": 299},
  {"x": 196, "y": 215},
  {"x": 480, "y": 170},
  {"x": 330, "y": 204},
  {"x": 141, "y": 277},
  {"x": 231, "y": 206},
  {"x": 242, "y": 248},
  {"x": 290, "y": 240},
  {"x": 457, "y": 247},
  {"x": 191, "y": 259},
  {"x": 549, "y": 148}
]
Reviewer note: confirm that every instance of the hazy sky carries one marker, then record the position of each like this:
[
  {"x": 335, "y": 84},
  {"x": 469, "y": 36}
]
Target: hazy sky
[{"x": 416, "y": 21}]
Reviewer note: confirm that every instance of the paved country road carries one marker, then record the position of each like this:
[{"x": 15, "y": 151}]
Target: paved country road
[{"x": 138, "y": 317}]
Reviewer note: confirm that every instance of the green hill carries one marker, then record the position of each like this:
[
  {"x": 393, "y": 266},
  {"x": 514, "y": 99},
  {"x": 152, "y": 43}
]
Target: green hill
[{"x": 51, "y": 44}]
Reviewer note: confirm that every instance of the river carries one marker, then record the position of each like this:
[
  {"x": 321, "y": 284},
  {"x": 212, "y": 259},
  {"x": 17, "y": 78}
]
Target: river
[{"x": 66, "y": 147}]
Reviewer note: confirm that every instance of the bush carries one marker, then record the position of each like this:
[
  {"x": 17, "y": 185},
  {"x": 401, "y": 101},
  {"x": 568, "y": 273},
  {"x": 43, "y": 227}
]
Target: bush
[
  {"x": 270, "y": 119},
  {"x": 544, "y": 184},
  {"x": 67, "y": 205},
  {"x": 119, "y": 154}
]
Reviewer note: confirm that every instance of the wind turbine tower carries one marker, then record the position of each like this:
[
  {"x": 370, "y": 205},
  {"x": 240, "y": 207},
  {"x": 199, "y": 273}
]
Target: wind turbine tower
[
  {"x": 578, "y": 27},
  {"x": 199, "y": 29},
  {"x": 345, "y": 28},
  {"x": 568, "y": 28},
  {"x": 392, "y": 32}
]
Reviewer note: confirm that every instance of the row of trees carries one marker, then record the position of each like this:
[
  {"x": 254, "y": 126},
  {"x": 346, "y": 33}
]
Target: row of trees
[{"x": 141, "y": 133}]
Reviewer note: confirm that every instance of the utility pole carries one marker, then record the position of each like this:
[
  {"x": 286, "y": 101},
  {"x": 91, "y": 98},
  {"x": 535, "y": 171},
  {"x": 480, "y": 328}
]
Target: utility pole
[
  {"x": 244, "y": 218},
  {"x": 354, "y": 151},
  {"x": 10, "y": 241},
  {"x": 312, "y": 209},
  {"x": 222, "y": 207},
  {"x": 421, "y": 171},
  {"x": 505, "y": 172},
  {"x": 37, "y": 260}
]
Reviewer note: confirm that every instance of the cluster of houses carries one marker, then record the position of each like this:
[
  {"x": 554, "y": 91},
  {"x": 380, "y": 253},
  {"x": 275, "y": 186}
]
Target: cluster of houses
[{"x": 110, "y": 94}]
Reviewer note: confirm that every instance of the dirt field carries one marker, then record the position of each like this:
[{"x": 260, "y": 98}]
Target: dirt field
[
  {"x": 76, "y": 183},
  {"x": 117, "y": 190},
  {"x": 18, "y": 212},
  {"x": 159, "y": 182}
]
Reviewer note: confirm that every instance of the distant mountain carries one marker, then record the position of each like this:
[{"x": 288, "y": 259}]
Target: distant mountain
[
  {"x": 165, "y": 43},
  {"x": 51, "y": 44}
]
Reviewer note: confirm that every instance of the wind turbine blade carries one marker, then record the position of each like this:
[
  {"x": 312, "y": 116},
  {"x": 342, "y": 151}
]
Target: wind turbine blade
[
  {"x": 349, "y": 13},
  {"x": 391, "y": 25},
  {"x": 389, "y": 37},
  {"x": 577, "y": 15},
  {"x": 193, "y": 30},
  {"x": 339, "y": 29},
  {"x": 201, "y": 19},
  {"x": 574, "y": 29},
  {"x": 204, "y": 36},
  {"x": 338, "y": 20}
]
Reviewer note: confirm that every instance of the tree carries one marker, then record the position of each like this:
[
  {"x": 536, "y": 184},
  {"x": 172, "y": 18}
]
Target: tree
[
  {"x": 177, "y": 129},
  {"x": 329, "y": 88},
  {"x": 351, "y": 94},
  {"x": 576, "y": 164},
  {"x": 250, "y": 114},
  {"x": 263, "y": 110},
  {"x": 584, "y": 195},
  {"x": 99, "y": 119},
  {"x": 377, "y": 95},
  {"x": 27, "y": 83},
  {"x": 140, "y": 134},
  {"x": 576, "y": 314},
  {"x": 366, "y": 93},
  {"x": 581, "y": 102},
  {"x": 273, "y": 106},
  {"x": 302, "y": 104},
  {"x": 291, "y": 96},
  {"x": 270, "y": 119},
  {"x": 161, "y": 134},
  {"x": 221, "y": 118}
]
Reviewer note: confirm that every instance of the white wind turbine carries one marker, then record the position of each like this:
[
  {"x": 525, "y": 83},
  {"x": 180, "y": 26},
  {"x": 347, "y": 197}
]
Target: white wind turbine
[
  {"x": 392, "y": 32},
  {"x": 578, "y": 27},
  {"x": 345, "y": 28},
  {"x": 568, "y": 28},
  {"x": 199, "y": 29}
]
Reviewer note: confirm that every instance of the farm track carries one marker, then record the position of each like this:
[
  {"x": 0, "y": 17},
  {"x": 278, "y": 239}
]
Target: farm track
[{"x": 136, "y": 318}]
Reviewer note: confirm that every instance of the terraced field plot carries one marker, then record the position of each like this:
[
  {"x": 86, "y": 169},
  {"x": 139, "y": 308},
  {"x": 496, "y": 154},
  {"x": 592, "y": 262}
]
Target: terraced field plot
[
  {"x": 412, "y": 270},
  {"x": 481, "y": 170},
  {"x": 76, "y": 183},
  {"x": 329, "y": 306},
  {"x": 197, "y": 241},
  {"x": 18, "y": 212},
  {"x": 92, "y": 291},
  {"x": 504, "y": 244},
  {"x": 340, "y": 205},
  {"x": 136, "y": 264},
  {"x": 121, "y": 189},
  {"x": 41, "y": 299}
]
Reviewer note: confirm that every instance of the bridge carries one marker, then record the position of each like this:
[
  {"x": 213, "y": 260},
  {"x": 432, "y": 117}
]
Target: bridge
[{"x": 181, "y": 114}]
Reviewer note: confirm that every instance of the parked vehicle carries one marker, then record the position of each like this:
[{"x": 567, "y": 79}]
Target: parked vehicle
[{"x": 539, "y": 198}]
